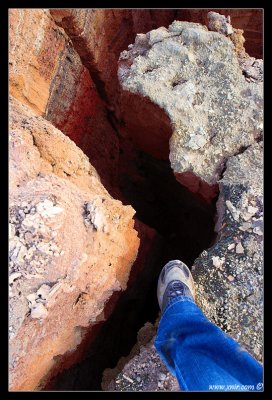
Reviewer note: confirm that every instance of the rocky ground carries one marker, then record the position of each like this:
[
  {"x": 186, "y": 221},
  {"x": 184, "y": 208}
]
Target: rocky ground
[
  {"x": 142, "y": 370},
  {"x": 180, "y": 90}
]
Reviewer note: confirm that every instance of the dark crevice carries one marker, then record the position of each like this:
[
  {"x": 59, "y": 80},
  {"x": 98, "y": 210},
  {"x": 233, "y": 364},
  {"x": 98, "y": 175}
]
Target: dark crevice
[
  {"x": 171, "y": 223},
  {"x": 81, "y": 47},
  {"x": 258, "y": 139},
  {"x": 241, "y": 150},
  {"x": 183, "y": 227},
  {"x": 161, "y": 202},
  {"x": 224, "y": 167}
]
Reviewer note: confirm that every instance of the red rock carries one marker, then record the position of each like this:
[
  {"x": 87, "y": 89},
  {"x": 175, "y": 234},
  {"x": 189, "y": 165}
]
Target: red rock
[
  {"x": 91, "y": 262},
  {"x": 46, "y": 74},
  {"x": 99, "y": 35},
  {"x": 248, "y": 20}
]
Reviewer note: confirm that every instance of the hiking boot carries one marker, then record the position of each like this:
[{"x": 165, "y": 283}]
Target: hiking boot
[{"x": 175, "y": 280}]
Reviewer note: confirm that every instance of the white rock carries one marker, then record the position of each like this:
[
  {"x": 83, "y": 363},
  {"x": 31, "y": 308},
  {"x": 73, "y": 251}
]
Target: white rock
[
  {"x": 252, "y": 210},
  {"x": 162, "y": 376},
  {"x": 11, "y": 231},
  {"x": 39, "y": 311},
  {"x": 234, "y": 212},
  {"x": 230, "y": 206},
  {"x": 196, "y": 142},
  {"x": 231, "y": 278},
  {"x": 231, "y": 246},
  {"x": 43, "y": 291},
  {"x": 239, "y": 248},
  {"x": 56, "y": 210},
  {"x": 245, "y": 226},
  {"x": 217, "y": 261},
  {"x": 31, "y": 298},
  {"x": 128, "y": 378},
  {"x": 246, "y": 216},
  {"x": 258, "y": 231}
]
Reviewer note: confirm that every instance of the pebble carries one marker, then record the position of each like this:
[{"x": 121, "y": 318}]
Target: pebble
[
  {"x": 231, "y": 278},
  {"x": 258, "y": 231},
  {"x": 239, "y": 248},
  {"x": 127, "y": 378},
  {"x": 246, "y": 216},
  {"x": 252, "y": 210},
  {"x": 162, "y": 376},
  {"x": 11, "y": 231},
  {"x": 231, "y": 246},
  {"x": 217, "y": 261},
  {"x": 31, "y": 298}
]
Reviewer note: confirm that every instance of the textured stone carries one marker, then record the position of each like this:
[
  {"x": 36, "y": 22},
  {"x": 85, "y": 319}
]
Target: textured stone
[
  {"x": 233, "y": 297},
  {"x": 143, "y": 366},
  {"x": 195, "y": 77},
  {"x": 250, "y": 21},
  {"x": 46, "y": 74},
  {"x": 99, "y": 32},
  {"x": 55, "y": 298}
]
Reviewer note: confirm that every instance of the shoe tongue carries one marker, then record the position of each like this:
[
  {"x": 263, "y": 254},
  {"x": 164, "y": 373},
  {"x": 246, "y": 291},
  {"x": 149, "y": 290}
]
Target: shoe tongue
[{"x": 174, "y": 290}]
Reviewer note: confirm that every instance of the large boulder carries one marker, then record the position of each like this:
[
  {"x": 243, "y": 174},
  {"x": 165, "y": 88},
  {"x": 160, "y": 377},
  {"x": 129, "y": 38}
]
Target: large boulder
[
  {"x": 71, "y": 246},
  {"x": 194, "y": 77}
]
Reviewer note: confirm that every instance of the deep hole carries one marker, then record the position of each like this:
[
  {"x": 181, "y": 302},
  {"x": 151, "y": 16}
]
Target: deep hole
[{"x": 185, "y": 227}]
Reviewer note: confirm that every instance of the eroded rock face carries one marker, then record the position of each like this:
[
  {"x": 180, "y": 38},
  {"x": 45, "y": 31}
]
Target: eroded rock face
[
  {"x": 99, "y": 32},
  {"x": 229, "y": 275},
  {"x": 71, "y": 247},
  {"x": 195, "y": 77},
  {"x": 46, "y": 73},
  {"x": 249, "y": 21}
]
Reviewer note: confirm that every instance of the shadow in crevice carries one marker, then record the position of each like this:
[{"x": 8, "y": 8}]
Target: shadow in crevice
[
  {"x": 184, "y": 221},
  {"x": 183, "y": 226}
]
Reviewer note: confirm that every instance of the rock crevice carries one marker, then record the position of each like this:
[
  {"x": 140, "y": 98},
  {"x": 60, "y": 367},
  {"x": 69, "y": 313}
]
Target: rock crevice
[{"x": 171, "y": 129}]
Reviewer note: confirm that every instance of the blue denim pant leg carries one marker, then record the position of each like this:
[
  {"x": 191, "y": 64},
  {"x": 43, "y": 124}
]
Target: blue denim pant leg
[{"x": 201, "y": 355}]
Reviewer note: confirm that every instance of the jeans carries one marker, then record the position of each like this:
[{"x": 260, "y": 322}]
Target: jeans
[{"x": 200, "y": 355}]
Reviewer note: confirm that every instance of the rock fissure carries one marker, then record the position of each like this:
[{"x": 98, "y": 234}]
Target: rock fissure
[{"x": 173, "y": 142}]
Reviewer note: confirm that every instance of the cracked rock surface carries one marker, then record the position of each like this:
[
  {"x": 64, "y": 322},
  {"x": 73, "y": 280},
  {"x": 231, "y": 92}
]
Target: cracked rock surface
[
  {"x": 194, "y": 76},
  {"x": 229, "y": 275}
]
